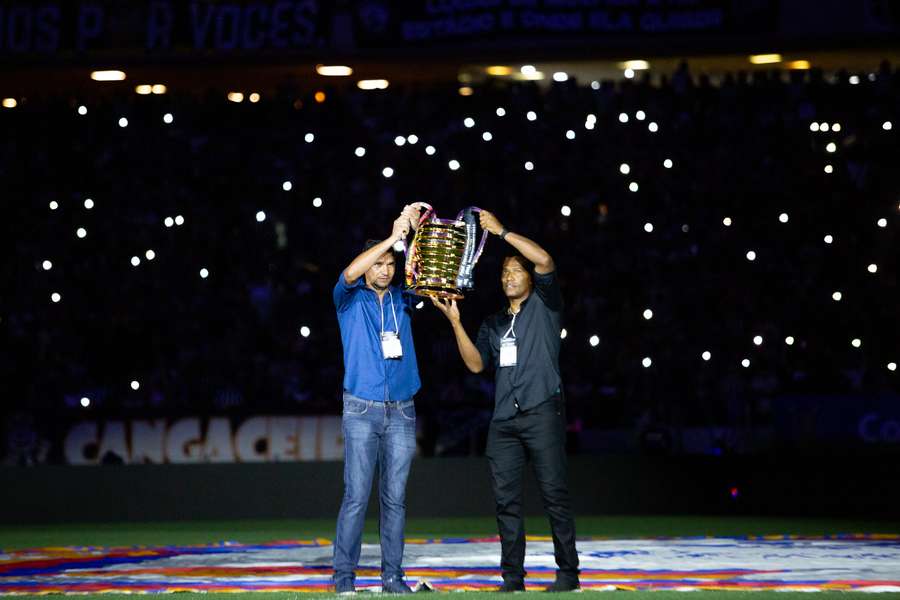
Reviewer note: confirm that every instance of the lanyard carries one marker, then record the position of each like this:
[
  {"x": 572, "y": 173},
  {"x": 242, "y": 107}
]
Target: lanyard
[
  {"x": 396, "y": 326},
  {"x": 511, "y": 329}
]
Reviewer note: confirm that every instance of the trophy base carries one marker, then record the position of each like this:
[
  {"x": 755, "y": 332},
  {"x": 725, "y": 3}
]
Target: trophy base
[{"x": 437, "y": 292}]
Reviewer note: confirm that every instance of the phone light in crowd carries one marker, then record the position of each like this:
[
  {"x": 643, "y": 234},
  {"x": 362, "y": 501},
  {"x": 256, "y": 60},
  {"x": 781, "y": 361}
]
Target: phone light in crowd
[
  {"x": 624, "y": 169},
  {"x": 399, "y": 140},
  {"x": 420, "y": 305},
  {"x": 814, "y": 126},
  {"x": 10, "y": 103},
  {"x": 829, "y": 169},
  {"x": 145, "y": 89},
  {"x": 706, "y": 355},
  {"x": 487, "y": 136},
  {"x": 360, "y": 151},
  {"x": 501, "y": 112},
  {"x": 82, "y": 110},
  {"x": 837, "y": 296},
  {"x": 111, "y": 75},
  {"x": 159, "y": 89},
  {"x": 150, "y": 254},
  {"x": 236, "y": 97},
  {"x": 123, "y": 122},
  {"x": 783, "y": 218},
  {"x": 319, "y": 97},
  {"x": 829, "y": 239},
  {"x": 633, "y": 186},
  {"x": 81, "y": 232},
  {"x": 168, "y": 118},
  {"x": 317, "y": 202},
  {"x": 55, "y": 297},
  {"x": 835, "y": 127},
  {"x": 169, "y": 221},
  {"x": 372, "y": 84},
  {"x": 648, "y": 314},
  {"x": 872, "y": 268},
  {"x": 886, "y": 126},
  {"x": 757, "y": 340},
  {"x": 308, "y": 138},
  {"x": 287, "y": 185},
  {"x": 531, "y": 115},
  {"x": 563, "y": 333},
  {"x": 745, "y": 363},
  {"x": 85, "y": 402},
  {"x": 499, "y": 70},
  {"x": 595, "y": 85},
  {"x": 831, "y": 147},
  {"x": 260, "y": 216},
  {"x": 648, "y": 227},
  {"x": 566, "y": 210},
  {"x": 528, "y": 70},
  {"x": 570, "y": 134},
  {"x": 668, "y": 163},
  {"x": 727, "y": 221},
  {"x": 590, "y": 124},
  {"x": 47, "y": 265},
  {"x": 304, "y": 331},
  {"x": 882, "y": 222},
  {"x": 628, "y": 73},
  {"x": 653, "y": 127},
  {"x": 646, "y": 362},
  {"x": 334, "y": 70},
  {"x": 892, "y": 366},
  {"x": 387, "y": 172},
  {"x": 856, "y": 342},
  {"x": 560, "y": 76},
  {"x": 430, "y": 150},
  {"x": 204, "y": 272},
  {"x": 623, "y": 117},
  {"x": 764, "y": 59},
  {"x": 179, "y": 220},
  {"x": 529, "y": 166},
  {"x": 399, "y": 246},
  {"x": 594, "y": 341},
  {"x": 640, "y": 115},
  {"x": 469, "y": 122},
  {"x": 824, "y": 127},
  {"x": 135, "y": 384},
  {"x": 88, "y": 203},
  {"x": 412, "y": 138},
  {"x": 135, "y": 261},
  {"x": 751, "y": 255}
]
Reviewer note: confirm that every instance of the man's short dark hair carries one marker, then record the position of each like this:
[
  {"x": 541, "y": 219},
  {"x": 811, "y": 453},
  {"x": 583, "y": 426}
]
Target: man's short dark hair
[{"x": 523, "y": 262}]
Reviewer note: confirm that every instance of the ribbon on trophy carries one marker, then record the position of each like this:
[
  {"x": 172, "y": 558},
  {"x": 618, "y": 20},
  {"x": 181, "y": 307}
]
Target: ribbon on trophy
[{"x": 441, "y": 258}]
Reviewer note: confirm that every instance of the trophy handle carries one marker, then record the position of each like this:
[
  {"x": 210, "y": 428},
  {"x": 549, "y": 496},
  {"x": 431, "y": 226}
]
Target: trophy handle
[
  {"x": 412, "y": 270},
  {"x": 471, "y": 254}
]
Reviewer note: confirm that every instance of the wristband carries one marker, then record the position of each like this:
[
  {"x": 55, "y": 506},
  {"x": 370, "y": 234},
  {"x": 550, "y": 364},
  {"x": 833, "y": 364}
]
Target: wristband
[{"x": 503, "y": 233}]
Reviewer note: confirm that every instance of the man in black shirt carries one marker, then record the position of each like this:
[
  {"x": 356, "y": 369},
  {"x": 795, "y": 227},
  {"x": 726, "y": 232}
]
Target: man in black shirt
[{"x": 522, "y": 342}]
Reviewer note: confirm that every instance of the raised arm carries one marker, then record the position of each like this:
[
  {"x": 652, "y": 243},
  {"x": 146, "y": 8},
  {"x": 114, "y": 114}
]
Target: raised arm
[
  {"x": 402, "y": 224},
  {"x": 543, "y": 262},
  {"x": 469, "y": 352}
]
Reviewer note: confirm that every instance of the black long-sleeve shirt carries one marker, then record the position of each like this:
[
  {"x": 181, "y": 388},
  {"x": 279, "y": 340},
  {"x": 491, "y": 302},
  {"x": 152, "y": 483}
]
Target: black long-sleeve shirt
[{"x": 535, "y": 378}]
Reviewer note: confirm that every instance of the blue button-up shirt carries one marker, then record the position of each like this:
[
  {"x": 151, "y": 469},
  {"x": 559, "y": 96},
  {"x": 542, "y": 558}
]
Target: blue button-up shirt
[{"x": 367, "y": 374}]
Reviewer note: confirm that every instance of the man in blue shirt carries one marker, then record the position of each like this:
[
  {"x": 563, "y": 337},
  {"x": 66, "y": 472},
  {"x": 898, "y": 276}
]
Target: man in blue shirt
[{"x": 379, "y": 422}]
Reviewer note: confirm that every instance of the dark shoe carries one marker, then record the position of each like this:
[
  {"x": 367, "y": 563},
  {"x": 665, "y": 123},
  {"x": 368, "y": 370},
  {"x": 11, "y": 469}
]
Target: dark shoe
[
  {"x": 563, "y": 585},
  {"x": 512, "y": 585},
  {"x": 395, "y": 585},
  {"x": 344, "y": 587}
]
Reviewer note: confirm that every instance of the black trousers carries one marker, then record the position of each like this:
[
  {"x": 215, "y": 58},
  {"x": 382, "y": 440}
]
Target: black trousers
[{"x": 537, "y": 436}]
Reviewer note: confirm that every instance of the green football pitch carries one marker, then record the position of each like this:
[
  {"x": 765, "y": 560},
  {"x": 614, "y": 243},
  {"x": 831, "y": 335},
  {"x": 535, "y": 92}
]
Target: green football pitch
[{"x": 249, "y": 531}]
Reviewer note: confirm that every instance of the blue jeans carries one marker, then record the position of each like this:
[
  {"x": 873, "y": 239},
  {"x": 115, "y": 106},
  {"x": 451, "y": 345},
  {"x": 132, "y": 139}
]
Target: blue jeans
[{"x": 382, "y": 434}]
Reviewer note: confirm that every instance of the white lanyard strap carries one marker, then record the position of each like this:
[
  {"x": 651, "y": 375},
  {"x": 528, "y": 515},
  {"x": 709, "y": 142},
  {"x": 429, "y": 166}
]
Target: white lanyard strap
[
  {"x": 396, "y": 325},
  {"x": 511, "y": 329}
]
